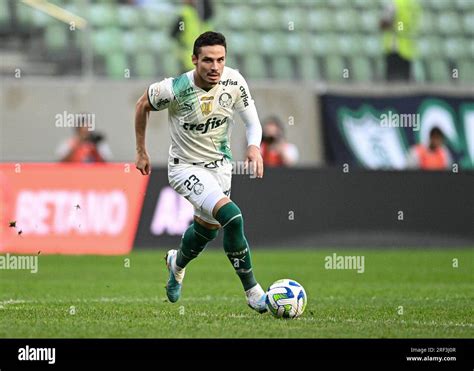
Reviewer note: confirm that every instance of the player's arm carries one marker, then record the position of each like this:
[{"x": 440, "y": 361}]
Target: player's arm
[
  {"x": 253, "y": 129},
  {"x": 156, "y": 98},
  {"x": 253, "y": 132},
  {"x": 142, "y": 111}
]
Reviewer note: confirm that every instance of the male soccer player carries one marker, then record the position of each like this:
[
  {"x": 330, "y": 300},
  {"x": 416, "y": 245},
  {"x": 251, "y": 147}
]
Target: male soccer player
[{"x": 200, "y": 106}]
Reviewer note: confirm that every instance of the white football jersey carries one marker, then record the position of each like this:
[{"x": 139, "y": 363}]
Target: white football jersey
[{"x": 200, "y": 121}]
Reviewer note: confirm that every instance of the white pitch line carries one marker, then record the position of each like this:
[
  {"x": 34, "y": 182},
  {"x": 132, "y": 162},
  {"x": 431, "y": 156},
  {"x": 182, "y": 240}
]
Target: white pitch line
[
  {"x": 12, "y": 301},
  {"x": 123, "y": 300},
  {"x": 387, "y": 321}
]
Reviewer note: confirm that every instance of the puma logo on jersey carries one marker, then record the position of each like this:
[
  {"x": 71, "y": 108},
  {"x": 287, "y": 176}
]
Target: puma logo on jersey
[
  {"x": 186, "y": 106},
  {"x": 210, "y": 124}
]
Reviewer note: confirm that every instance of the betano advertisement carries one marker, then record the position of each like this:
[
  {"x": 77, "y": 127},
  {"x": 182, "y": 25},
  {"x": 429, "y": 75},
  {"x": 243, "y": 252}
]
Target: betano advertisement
[
  {"x": 69, "y": 209},
  {"x": 107, "y": 209},
  {"x": 377, "y": 132}
]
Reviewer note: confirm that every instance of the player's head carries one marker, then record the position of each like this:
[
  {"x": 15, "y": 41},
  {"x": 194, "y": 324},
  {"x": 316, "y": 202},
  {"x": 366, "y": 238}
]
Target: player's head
[
  {"x": 209, "y": 56},
  {"x": 436, "y": 137}
]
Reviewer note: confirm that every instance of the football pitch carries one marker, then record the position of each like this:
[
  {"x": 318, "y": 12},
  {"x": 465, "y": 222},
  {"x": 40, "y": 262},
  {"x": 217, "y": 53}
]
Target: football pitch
[{"x": 416, "y": 293}]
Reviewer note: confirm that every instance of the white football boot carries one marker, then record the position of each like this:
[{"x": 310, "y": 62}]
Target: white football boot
[{"x": 256, "y": 298}]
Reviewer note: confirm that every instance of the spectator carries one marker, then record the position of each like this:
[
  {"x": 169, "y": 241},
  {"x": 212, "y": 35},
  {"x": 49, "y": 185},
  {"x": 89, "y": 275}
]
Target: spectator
[
  {"x": 84, "y": 146},
  {"x": 435, "y": 156},
  {"x": 275, "y": 149},
  {"x": 399, "y": 23},
  {"x": 144, "y": 3},
  {"x": 193, "y": 20}
]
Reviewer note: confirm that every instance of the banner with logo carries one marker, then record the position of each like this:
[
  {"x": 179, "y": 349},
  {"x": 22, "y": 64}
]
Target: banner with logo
[
  {"x": 107, "y": 209},
  {"x": 69, "y": 208},
  {"x": 378, "y": 132},
  {"x": 291, "y": 208}
]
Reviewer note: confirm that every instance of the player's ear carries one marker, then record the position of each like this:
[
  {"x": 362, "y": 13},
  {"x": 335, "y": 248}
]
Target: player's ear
[{"x": 194, "y": 60}]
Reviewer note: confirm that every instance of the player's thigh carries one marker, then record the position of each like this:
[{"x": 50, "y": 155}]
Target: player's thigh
[
  {"x": 223, "y": 177},
  {"x": 194, "y": 183}
]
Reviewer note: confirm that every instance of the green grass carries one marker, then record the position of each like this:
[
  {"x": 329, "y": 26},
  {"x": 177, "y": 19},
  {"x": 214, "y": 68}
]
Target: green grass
[{"x": 111, "y": 300}]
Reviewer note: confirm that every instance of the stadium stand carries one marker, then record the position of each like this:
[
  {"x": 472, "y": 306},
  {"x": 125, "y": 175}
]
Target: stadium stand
[{"x": 305, "y": 39}]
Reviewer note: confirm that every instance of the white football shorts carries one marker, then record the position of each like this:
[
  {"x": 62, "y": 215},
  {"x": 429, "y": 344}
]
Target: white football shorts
[{"x": 203, "y": 184}]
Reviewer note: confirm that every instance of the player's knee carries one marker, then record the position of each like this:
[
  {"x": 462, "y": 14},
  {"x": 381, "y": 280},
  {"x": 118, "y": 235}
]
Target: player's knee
[
  {"x": 221, "y": 202},
  {"x": 235, "y": 224},
  {"x": 205, "y": 233},
  {"x": 230, "y": 216},
  {"x": 195, "y": 240},
  {"x": 232, "y": 222}
]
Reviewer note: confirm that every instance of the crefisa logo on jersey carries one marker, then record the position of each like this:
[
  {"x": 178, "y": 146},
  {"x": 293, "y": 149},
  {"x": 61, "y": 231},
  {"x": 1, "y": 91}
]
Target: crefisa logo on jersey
[
  {"x": 225, "y": 100},
  {"x": 228, "y": 82},
  {"x": 211, "y": 123},
  {"x": 244, "y": 96}
]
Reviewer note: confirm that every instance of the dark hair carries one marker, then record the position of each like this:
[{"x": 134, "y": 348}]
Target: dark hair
[
  {"x": 436, "y": 131},
  {"x": 207, "y": 39}
]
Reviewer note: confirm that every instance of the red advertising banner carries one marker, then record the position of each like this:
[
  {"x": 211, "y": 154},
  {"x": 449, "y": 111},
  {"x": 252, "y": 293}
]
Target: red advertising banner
[{"x": 69, "y": 208}]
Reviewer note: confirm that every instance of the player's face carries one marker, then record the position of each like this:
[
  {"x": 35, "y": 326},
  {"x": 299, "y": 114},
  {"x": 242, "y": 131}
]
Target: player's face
[{"x": 210, "y": 64}]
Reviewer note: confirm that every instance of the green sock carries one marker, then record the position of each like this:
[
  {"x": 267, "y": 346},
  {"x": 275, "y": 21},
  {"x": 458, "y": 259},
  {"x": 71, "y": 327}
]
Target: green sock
[
  {"x": 194, "y": 240},
  {"x": 235, "y": 243}
]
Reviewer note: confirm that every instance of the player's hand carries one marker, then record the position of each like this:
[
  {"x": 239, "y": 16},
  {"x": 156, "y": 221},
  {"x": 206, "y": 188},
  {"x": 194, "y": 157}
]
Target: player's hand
[
  {"x": 254, "y": 157},
  {"x": 142, "y": 163}
]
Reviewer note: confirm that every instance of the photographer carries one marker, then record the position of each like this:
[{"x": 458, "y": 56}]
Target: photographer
[
  {"x": 84, "y": 146},
  {"x": 433, "y": 156},
  {"x": 275, "y": 149}
]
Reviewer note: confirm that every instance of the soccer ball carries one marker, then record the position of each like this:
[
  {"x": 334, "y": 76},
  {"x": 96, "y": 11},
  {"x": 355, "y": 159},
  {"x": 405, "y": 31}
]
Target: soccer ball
[{"x": 286, "y": 299}]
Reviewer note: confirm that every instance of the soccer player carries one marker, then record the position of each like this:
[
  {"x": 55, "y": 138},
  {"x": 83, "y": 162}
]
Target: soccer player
[{"x": 200, "y": 106}]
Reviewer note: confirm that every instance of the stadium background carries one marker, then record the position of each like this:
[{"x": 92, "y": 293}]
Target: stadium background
[
  {"x": 338, "y": 196},
  {"x": 295, "y": 56}
]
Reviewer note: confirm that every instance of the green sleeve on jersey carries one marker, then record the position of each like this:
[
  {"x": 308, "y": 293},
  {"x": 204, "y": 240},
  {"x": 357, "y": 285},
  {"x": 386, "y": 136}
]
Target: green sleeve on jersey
[
  {"x": 186, "y": 96},
  {"x": 182, "y": 89}
]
